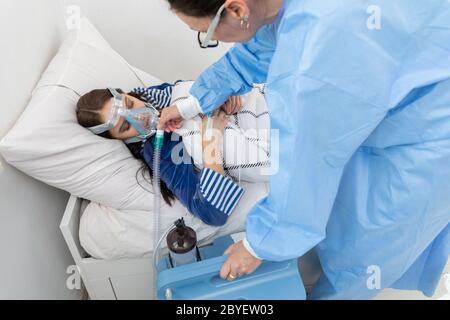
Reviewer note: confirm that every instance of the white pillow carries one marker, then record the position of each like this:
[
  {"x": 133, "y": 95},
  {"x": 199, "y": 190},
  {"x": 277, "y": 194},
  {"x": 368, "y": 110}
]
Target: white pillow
[{"x": 48, "y": 144}]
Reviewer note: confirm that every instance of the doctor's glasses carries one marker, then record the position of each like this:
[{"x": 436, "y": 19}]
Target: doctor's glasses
[{"x": 204, "y": 38}]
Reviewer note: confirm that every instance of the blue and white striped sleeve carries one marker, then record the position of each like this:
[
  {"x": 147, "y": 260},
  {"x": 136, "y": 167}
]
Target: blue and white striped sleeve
[
  {"x": 159, "y": 96},
  {"x": 219, "y": 191}
]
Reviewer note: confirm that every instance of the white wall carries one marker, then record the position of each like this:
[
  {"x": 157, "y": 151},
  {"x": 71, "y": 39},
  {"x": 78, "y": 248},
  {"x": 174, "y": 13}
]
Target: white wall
[
  {"x": 149, "y": 36},
  {"x": 33, "y": 254}
]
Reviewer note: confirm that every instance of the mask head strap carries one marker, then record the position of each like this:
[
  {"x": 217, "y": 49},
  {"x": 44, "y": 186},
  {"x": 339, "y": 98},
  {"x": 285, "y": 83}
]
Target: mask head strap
[{"x": 114, "y": 114}]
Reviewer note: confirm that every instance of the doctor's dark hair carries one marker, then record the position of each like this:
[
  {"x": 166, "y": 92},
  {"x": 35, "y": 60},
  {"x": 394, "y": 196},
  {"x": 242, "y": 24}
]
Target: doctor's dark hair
[
  {"x": 196, "y": 8},
  {"x": 88, "y": 115}
]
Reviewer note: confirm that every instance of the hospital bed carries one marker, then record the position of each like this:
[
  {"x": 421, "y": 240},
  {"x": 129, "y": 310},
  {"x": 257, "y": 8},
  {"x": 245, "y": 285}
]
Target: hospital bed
[{"x": 126, "y": 279}]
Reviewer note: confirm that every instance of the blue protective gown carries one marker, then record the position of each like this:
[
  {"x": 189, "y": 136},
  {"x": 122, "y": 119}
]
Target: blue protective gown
[{"x": 364, "y": 120}]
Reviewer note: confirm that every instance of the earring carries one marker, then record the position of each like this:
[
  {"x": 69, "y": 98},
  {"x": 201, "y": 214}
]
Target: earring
[{"x": 245, "y": 23}]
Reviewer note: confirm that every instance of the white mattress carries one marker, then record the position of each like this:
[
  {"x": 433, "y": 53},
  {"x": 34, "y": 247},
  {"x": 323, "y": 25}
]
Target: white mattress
[{"x": 107, "y": 233}]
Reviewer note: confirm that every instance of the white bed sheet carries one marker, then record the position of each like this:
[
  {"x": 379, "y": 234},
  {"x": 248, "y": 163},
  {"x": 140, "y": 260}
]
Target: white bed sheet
[{"x": 111, "y": 234}]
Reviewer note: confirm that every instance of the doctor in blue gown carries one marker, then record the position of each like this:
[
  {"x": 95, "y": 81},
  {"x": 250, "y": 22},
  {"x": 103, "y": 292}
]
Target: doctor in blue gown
[{"x": 360, "y": 93}]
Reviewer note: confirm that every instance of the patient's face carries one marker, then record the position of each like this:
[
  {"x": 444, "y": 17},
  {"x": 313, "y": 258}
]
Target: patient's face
[{"x": 123, "y": 130}]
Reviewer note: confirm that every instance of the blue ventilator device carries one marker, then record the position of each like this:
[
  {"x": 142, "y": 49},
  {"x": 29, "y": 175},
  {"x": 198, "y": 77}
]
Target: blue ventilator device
[{"x": 201, "y": 281}]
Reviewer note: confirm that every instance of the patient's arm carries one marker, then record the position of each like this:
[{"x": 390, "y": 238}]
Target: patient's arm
[
  {"x": 212, "y": 141},
  {"x": 208, "y": 195}
]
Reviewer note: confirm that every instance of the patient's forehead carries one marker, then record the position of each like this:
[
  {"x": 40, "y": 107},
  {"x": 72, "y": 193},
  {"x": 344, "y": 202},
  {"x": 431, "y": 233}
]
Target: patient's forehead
[
  {"x": 106, "y": 108},
  {"x": 104, "y": 112}
]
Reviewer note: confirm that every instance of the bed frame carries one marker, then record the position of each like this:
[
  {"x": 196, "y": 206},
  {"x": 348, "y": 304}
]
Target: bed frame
[{"x": 126, "y": 279}]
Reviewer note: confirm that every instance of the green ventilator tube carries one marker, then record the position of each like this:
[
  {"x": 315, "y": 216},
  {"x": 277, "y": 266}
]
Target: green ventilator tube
[
  {"x": 159, "y": 139},
  {"x": 158, "y": 144}
]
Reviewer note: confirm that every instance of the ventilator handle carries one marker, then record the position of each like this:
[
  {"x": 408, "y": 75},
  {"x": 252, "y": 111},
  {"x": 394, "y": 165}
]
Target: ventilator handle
[{"x": 201, "y": 280}]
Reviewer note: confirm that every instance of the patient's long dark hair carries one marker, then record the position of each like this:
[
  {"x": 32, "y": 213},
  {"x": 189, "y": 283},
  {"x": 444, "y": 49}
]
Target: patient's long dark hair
[{"x": 88, "y": 115}]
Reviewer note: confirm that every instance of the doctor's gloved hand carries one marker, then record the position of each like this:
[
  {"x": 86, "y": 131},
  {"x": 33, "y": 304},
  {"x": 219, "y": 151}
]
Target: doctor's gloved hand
[
  {"x": 170, "y": 119},
  {"x": 240, "y": 262}
]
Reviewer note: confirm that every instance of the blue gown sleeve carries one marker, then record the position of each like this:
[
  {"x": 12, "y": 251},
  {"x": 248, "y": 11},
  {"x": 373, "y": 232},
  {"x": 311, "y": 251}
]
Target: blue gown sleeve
[
  {"x": 207, "y": 195},
  {"x": 236, "y": 73}
]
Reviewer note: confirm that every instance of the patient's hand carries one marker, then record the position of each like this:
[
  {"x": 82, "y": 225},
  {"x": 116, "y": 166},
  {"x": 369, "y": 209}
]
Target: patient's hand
[
  {"x": 170, "y": 119},
  {"x": 233, "y": 105}
]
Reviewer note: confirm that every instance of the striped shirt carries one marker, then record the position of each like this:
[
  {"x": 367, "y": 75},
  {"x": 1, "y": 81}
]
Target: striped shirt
[
  {"x": 208, "y": 195},
  {"x": 159, "y": 96},
  {"x": 219, "y": 191}
]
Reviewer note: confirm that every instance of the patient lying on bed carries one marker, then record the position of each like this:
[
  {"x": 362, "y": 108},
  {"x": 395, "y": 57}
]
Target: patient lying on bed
[{"x": 208, "y": 194}]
